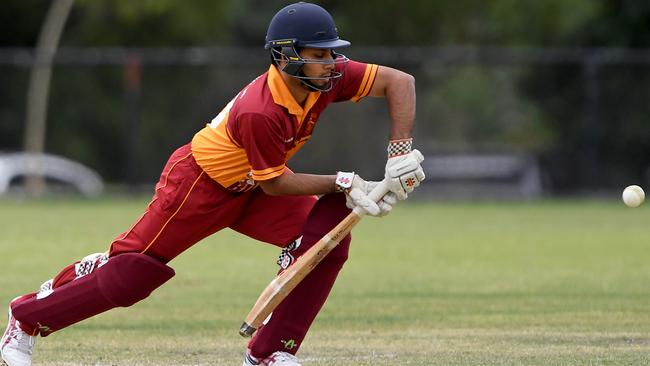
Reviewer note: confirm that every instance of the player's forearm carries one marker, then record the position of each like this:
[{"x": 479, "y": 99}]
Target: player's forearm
[
  {"x": 291, "y": 184},
  {"x": 400, "y": 96},
  {"x": 398, "y": 88}
]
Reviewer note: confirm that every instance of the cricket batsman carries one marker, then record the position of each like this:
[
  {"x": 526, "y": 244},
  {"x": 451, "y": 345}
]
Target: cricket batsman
[{"x": 234, "y": 174}]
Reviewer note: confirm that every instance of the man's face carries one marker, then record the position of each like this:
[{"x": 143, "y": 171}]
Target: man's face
[{"x": 316, "y": 70}]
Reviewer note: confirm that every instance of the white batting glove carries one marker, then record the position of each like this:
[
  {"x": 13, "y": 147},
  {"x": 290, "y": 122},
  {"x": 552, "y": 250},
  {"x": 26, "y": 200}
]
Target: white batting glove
[
  {"x": 386, "y": 203},
  {"x": 356, "y": 194},
  {"x": 403, "y": 170}
]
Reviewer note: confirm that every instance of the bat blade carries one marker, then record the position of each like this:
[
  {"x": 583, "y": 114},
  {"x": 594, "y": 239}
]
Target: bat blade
[{"x": 285, "y": 282}]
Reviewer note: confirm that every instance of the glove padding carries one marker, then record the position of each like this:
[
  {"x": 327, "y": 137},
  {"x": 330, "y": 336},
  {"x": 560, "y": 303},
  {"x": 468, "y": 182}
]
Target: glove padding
[
  {"x": 357, "y": 195},
  {"x": 404, "y": 173}
]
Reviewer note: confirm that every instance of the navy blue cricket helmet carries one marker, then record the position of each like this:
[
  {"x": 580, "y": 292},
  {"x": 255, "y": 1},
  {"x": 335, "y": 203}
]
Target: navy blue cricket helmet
[{"x": 303, "y": 25}]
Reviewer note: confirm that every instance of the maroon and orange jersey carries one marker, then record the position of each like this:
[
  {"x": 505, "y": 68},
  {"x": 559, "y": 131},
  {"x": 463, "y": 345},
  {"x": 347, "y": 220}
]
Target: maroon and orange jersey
[{"x": 259, "y": 130}]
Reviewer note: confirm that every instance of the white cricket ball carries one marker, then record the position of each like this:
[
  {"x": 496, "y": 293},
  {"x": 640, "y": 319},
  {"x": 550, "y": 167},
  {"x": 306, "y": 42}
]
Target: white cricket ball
[{"x": 633, "y": 196}]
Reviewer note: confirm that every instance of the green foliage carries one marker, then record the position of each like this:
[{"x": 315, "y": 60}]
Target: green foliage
[
  {"x": 481, "y": 108},
  {"x": 154, "y": 23},
  {"x": 151, "y": 23},
  {"x": 20, "y": 22},
  {"x": 531, "y": 22},
  {"x": 619, "y": 23},
  {"x": 467, "y": 22}
]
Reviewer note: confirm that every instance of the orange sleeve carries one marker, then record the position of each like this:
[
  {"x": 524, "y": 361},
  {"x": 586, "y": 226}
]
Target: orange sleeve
[
  {"x": 366, "y": 83},
  {"x": 356, "y": 82}
]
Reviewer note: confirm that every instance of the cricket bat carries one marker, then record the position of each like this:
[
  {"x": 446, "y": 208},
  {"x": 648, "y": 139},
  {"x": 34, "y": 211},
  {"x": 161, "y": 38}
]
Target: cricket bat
[{"x": 285, "y": 282}]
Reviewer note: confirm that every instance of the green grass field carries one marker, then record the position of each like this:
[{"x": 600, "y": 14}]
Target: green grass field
[{"x": 545, "y": 283}]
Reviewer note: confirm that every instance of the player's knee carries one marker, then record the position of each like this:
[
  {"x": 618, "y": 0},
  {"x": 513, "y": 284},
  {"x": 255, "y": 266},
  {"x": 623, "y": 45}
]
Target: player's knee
[
  {"x": 298, "y": 247},
  {"x": 129, "y": 278}
]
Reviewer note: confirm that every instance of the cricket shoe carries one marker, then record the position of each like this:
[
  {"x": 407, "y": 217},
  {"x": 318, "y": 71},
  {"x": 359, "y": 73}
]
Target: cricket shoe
[
  {"x": 16, "y": 346},
  {"x": 277, "y": 358}
]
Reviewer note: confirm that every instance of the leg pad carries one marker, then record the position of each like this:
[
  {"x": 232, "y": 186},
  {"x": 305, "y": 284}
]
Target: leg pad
[{"x": 124, "y": 280}]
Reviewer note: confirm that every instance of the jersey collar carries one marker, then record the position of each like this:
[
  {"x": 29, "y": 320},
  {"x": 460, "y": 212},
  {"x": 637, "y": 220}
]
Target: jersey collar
[{"x": 282, "y": 96}]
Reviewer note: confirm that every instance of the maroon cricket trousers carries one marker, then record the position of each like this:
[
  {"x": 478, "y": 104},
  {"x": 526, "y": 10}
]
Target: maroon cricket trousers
[{"x": 188, "y": 206}]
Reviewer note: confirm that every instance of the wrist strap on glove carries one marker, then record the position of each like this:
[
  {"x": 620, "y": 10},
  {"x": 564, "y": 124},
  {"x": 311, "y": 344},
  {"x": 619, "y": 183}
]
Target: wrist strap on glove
[
  {"x": 399, "y": 147},
  {"x": 343, "y": 181}
]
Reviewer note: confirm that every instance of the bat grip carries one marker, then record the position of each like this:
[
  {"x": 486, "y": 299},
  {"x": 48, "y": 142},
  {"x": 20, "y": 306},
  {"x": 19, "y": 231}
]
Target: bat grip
[{"x": 376, "y": 194}]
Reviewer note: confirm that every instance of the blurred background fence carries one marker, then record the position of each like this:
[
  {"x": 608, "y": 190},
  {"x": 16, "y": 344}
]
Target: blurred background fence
[
  {"x": 563, "y": 86},
  {"x": 581, "y": 113}
]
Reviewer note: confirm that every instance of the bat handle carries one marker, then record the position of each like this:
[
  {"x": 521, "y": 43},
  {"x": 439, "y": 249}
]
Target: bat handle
[
  {"x": 376, "y": 194},
  {"x": 246, "y": 330}
]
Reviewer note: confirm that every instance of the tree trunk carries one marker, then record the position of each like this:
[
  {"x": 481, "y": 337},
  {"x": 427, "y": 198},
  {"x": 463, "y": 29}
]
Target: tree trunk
[{"x": 39, "y": 86}]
